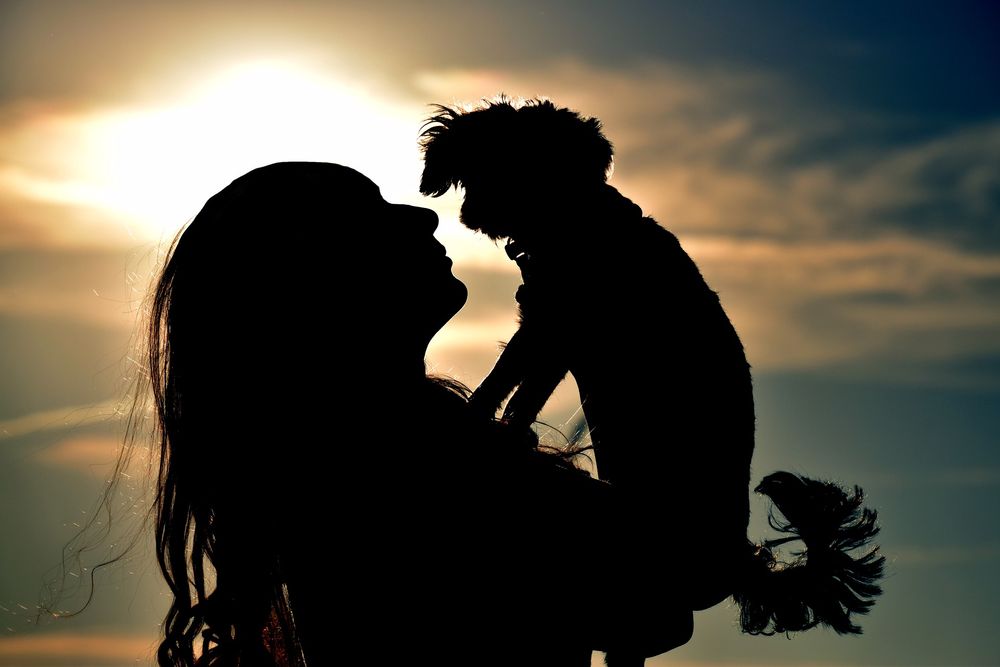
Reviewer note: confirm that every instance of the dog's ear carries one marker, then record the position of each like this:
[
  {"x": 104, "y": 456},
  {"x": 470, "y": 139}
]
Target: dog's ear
[
  {"x": 440, "y": 150},
  {"x": 439, "y": 167},
  {"x": 438, "y": 177}
]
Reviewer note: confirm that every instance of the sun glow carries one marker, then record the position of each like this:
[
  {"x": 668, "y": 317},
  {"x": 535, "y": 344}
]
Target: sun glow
[{"x": 150, "y": 168}]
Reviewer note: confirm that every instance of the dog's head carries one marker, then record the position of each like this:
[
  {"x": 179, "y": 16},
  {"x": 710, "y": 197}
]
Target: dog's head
[{"x": 524, "y": 167}]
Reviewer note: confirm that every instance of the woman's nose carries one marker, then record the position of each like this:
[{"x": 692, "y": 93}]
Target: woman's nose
[{"x": 423, "y": 217}]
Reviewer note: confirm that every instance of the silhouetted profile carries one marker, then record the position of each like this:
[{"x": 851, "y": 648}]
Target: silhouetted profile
[
  {"x": 355, "y": 510},
  {"x": 665, "y": 386}
]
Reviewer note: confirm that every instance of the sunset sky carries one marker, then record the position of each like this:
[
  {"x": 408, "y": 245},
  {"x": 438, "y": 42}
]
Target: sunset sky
[{"x": 832, "y": 170}]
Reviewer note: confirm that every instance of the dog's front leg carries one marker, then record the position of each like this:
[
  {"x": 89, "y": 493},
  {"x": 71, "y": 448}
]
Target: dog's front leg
[{"x": 508, "y": 372}]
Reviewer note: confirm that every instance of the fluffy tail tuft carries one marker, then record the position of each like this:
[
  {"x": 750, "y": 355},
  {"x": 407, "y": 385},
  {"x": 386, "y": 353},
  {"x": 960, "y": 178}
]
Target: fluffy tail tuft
[{"x": 824, "y": 584}]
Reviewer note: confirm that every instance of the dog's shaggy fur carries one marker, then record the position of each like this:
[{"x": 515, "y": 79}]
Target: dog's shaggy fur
[
  {"x": 600, "y": 274},
  {"x": 535, "y": 174}
]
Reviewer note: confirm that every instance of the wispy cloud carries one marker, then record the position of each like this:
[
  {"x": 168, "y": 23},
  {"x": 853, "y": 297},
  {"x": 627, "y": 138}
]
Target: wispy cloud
[
  {"x": 895, "y": 298},
  {"x": 134, "y": 171},
  {"x": 98, "y": 288},
  {"x": 70, "y": 649},
  {"x": 85, "y": 453},
  {"x": 58, "y": 419},
  {"x": 830, "y": 245},
  {"x": 740, "y": 150}
]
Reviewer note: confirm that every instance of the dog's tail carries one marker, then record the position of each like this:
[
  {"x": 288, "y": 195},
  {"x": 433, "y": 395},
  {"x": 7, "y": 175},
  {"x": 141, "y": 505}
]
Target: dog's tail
[{"x": 824, "y": 584}]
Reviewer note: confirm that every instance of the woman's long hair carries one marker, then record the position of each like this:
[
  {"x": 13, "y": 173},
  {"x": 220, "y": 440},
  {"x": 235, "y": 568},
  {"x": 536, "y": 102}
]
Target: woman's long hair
[
  {"x": 214, "y": 356},
  {"x": 246, "y": 619},
  {"x": 223, "y": 504},
  {"x": 824, "y": 584}
]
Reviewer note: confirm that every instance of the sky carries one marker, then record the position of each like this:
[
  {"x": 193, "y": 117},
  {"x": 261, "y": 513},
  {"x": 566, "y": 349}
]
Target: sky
[{"x": 832, "y": 169}]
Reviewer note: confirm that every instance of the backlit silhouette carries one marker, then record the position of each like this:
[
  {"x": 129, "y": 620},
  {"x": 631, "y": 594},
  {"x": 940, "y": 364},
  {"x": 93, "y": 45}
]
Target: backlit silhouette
[
  {"x": 665, "y": 385},
  {"x": 353, "y": 508}
]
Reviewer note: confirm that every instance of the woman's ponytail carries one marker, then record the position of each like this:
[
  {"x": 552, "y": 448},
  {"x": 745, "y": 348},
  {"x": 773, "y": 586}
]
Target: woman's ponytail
[{"x": 824, "y": 584}]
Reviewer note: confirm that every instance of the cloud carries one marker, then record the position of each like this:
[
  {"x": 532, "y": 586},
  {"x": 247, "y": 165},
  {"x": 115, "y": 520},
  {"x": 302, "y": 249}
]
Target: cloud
[
  {"x": 56, "y": 419},
  {"x": 53, "y": 362},
  {"x": 743, "y": 151},
  {"x": 102, "y": 288},
  {"x": 834, "y": 302},
  {"x": 81, "y": 452},
  {"x": 76, "y": 649},
  {"x": 134, "y": 171},
  {"x": 832, "y": 247},
  {"x": 47, "y": 194},
  {"x": 946, "y": 187}
]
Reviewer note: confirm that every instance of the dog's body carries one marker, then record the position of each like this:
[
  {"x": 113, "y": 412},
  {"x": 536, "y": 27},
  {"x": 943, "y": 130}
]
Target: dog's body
[{"x": 611, "y": 296}]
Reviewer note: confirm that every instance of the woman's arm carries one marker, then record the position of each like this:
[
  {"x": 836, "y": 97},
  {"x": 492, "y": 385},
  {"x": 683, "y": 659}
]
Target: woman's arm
[{"x": 631, "y": 593}]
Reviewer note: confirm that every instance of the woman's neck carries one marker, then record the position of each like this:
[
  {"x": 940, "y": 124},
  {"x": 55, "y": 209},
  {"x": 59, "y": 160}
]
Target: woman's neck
[{"x": 399, "y": 370}]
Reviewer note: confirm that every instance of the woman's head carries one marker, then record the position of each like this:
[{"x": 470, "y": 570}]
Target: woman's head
[
  {"x": 296, "y": 256},
  {"x": 294, "y": 296}
]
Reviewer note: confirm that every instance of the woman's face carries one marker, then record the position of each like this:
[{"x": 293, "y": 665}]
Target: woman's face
[
  {"x": 414, "y": 268},
  {"x": 325, "y": 242}
]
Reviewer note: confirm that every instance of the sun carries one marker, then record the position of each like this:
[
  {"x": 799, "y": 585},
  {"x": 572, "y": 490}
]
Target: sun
[
  {"x": 135, "y": 173},
  {"x": 159, "y": 165},
  {"x": 149, "y": 168}
]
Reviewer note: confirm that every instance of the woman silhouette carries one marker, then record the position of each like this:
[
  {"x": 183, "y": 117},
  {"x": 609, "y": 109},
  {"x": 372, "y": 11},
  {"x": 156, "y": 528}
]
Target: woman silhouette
[{"x": 350, "y": 506}]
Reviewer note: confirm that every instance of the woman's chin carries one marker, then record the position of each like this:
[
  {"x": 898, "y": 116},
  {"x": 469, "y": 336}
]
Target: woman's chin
[
  {"x": 460, "y": 294},
  {"x": 454, "y": 294}
]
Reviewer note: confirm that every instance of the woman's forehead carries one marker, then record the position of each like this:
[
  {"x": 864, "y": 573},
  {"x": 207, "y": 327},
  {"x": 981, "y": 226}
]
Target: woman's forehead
[{"x": 324, "y": 175}]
